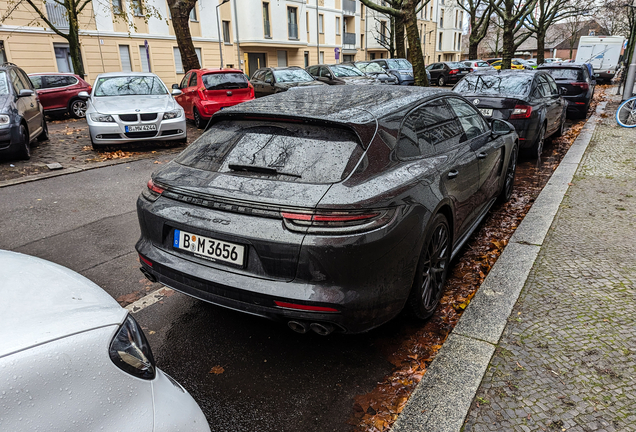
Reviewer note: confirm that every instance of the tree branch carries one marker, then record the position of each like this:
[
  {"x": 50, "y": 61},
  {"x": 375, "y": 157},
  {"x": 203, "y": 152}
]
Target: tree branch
[{"x": 46, "y": 20}]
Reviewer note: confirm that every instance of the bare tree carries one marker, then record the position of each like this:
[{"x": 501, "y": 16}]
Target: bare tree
[
  {"x": 479, "y": 12},
  {"x": 180, "y": 11},
  {"x": 613, "y": 16},
  {"x": 512, "y": 14},
  {"x": 384, "y": 34}
]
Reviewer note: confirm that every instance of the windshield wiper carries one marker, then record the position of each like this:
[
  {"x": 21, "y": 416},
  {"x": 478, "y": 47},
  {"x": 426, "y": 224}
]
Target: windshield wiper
[{"x": 260, "y": 169}]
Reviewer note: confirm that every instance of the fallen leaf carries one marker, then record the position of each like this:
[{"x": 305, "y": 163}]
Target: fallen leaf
[{"x": 217, "y": 370}]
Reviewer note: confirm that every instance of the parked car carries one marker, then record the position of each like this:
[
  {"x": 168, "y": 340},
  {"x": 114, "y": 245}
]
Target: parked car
[
  {"x": 340, "y": 75},
  {"x": 268, "y": 81},
  {"x": 530, "y": 100},
  {"x": 21, "y": 114},
  {"x": 58, "y": 93},
  {"x": 374, "y": 70},
  {"x": 206, "y": 91},
  {"x": 577, "y": 84},
  {"x": 492, "y": 60},
  {"x": 443, "y": 73},
  {"x": 532, "y": 63},
  {"x": 328, "y": 216},
  {"x": 401, "y": 68},
  {"x": 133, "y": 106},
  {"x": 552, "y": 60},
  {"x": 77, "y": 360},
  {"x": 514, "y": 64},
  {"x": 477, "y": 65}
]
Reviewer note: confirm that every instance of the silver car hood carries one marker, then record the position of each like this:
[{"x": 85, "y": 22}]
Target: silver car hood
[
  {"x": 133, "y": 104},
  {"x": 41, "y": 302}
]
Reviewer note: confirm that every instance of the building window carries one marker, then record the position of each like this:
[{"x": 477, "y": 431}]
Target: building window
[
  {"x": 226, "y": 32},
  {"x": 63, "y": 57},
  {"x": 337, "y": 25},
  {"x": 461, "y": 20},
  {"x": 124, "y": 56},
  {"x": 266, "y": 30},
  {"x": 454, "y": 40},
  {"x": 178, "y": 63},
  {"x": 282, "y": 58},
  {"x": 193, "y": 13},
  {"x": 459, "y": 41},
  {"x": 441, "y": 18},
  {"x": 383, "y": 31},
  {"x": 424, "y": 35},
  {"x": 306, "y": 59},
  {"x": 431, "y": 15},
  {"x": 362, "y": 42},
  {"x": 292, "y": 23},
  {"x": 307, "y": 23},
  {"x": 143, "y": 55},
  {"x": 321, "y": 57},
  {"x": 321, "y": 20},
  {"x": 440, "y": 41},
  {"x": 3, "y": 53},
  {"x": 198, "y": 51},
  {"x": 118, "y": 8},
  {"x": 456, "y": 19},
  {"x": 137, "y": 7}
]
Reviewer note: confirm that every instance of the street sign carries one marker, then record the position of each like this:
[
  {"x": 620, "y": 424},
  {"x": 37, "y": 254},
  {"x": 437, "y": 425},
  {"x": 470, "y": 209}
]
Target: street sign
[{"x": 337, "y": 53}]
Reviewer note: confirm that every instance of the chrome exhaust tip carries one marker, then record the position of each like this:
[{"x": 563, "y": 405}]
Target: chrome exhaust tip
[
  {"x": 322, "y": 329},
  {"x": 149, "y": 276},
  {"x": 298, "y": 326}
]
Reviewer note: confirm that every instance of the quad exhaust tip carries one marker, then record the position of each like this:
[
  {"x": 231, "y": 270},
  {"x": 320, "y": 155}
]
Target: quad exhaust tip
[
  {"x": 298, "y": 326},
  {"x": 323, "y": 329},
  {"x": 149, "y": 276}
]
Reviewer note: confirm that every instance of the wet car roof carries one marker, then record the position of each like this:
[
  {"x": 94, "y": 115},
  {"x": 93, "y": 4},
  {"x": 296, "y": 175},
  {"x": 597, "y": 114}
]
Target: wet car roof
[{"x": 343, "y": 104}]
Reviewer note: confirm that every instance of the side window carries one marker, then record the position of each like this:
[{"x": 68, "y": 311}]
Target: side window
[
  {"x": 258, "y": 75},
  {"x": 313, "y": 70},
  {"x": 553, "y": 87},
  {"x": 184, "y": 81},
  {"x": 25, "y": 79},
  {"x": 472, "y": 123},
  {"x": 15, "y": 79},
  {"x": 538, "y": 93},
  {"x": 193, "y": 80},
  {"x": 324, "y": 72},
  {"x": 269, "y": 76},
  {"x": 545, "y": 87},
  {"x": 53, "y": 81},
  {"x": 36, "y": 81}
]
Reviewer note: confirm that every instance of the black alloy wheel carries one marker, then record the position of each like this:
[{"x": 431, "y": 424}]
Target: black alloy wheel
[
  {"x": 44, "y": 135},
  {"x": 78, "y": 108},
  {"x": 441, "y": 81},
  {"x": 24, "y": 151},
  {"x": 198, "y": 120},
  {"x": 432, "y": 269},
  {"x": 509, "y": 179}
]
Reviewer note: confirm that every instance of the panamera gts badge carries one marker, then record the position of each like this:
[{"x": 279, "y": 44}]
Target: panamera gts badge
[{"x": 476, "y": 102}]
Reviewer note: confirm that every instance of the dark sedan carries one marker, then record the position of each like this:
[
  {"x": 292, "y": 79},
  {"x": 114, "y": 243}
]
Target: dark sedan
[
  {"x": 328, "y": 209},
  {"x": 529, "y": 99},
  {"x": 373, "y": 70},
  {"x": 340, "y": 75},
  {"x": 577, "y": 84},
  {"x": 447, "y": 72},
  {"x": 268, "y": 81},
  {"x": 401, "y": 68}
]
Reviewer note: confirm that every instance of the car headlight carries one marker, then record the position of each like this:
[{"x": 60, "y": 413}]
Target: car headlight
[
  {"x": 130, "y": 351},
  {"x": 4, "y": 119},
  {"x": 97, "y": 117},
  {"x": 172, "y": 114}
]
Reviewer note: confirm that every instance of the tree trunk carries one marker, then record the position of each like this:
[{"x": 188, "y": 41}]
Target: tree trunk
[
  {"x": 472, "y": 50},
  {"x": 180, "y": 11},
  {"x": 400, "y": 47},
  {"x": 541, "y": 45},
  {"x": 74, "y": 43},
  {"x": 392, "y": 38},
  {"x": 508, "y": 44},
  {"x": 415, "y": 45}
]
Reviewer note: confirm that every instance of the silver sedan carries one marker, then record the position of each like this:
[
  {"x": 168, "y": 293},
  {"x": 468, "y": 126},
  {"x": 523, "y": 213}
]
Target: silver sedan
[{"x": 133, "y": 106}]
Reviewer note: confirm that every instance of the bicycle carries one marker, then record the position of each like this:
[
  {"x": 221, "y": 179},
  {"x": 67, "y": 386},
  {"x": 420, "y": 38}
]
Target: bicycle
[{"x": 626, "y": 113}]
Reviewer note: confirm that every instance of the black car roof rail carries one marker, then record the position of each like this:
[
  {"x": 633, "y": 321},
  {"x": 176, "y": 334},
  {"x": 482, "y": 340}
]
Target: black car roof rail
[{"x": 9, "y": 64}]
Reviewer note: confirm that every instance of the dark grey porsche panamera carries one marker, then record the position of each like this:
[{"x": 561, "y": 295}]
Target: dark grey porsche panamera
[{"x": 330, "y": 209}]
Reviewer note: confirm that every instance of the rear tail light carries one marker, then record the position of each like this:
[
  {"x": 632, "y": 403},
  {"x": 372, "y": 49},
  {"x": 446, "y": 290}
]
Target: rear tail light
[
  {"x": 305, "y": 307},
  {"x": 471, "y": 70},
  {"x": 521, "y": 112},
  {"x": 130, "y": 351},
  {"x": 453, "y": 71},
  {"x": 336, "y": 222},
  {"x": 152, "y": 192},
  {"x": 583, "y": 85},
  {"x": 251, "y": 87},
  {"x": 90, "y": 89}
]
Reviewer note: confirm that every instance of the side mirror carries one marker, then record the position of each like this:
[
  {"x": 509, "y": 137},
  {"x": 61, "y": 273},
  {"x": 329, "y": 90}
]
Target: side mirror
[
  {"x": 83, "y": 95},
  {"x": 176, "y": 92},
  {"x": 562, "y": 90},
  {"x": 500, "y": 127},
  {"x": 175, "y": 86},
  {"x": 25, "y": 93},
  {"x": 269, "y": 81}
]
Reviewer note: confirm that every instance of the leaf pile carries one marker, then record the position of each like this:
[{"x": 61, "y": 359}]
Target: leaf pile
[
  {"x": 376, "y": 411},
  {"x": 117, "y": 154}
]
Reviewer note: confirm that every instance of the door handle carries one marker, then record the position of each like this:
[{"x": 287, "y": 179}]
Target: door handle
[
  {"x": 453, "y": 174},
  {"x": 482, "y": 155}
]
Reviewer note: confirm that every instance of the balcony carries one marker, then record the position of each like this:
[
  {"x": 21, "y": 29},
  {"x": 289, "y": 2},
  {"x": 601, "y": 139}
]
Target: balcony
[
  {"x": 349, "y": 40},
  {"x": 349, "y": 7}
]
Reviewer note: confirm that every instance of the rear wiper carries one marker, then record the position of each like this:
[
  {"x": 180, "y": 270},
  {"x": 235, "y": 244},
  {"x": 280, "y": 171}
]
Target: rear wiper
[{"x": 260, "y": 169}]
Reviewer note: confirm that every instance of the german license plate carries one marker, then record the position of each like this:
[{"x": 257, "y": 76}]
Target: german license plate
[
  {"x": 141, "y": 128},
  {"x": 486, "y": 111},
  {"x": 209, "y": 248}
]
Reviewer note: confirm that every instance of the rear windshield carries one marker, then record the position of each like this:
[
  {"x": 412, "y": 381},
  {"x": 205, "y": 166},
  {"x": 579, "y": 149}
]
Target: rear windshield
[
  {"x": 346, "y": 71},
  {"x": 399, "y": 64},
  {"x": 565, "y": 74},
  {"x": 455, "y": 65},
  {"x": 511, "y": 85},
  {"x": 300, "y": 153},
  {"x": 129, "y": 86},
  {"x": 292, "y": 75},
  {"x": 369, "y": 67},
  {"x": 222, "y": 81}
]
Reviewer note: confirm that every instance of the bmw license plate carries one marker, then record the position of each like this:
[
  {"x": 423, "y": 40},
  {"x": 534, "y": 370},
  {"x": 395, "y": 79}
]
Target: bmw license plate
[
  {"x": 209, "y": 248},
  {"x": 486, "y": 111},
  {"x": 141, "y": 128}
]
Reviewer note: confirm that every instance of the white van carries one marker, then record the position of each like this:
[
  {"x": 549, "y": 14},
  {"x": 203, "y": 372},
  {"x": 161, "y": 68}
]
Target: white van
[{"x": 602, "y": 52}]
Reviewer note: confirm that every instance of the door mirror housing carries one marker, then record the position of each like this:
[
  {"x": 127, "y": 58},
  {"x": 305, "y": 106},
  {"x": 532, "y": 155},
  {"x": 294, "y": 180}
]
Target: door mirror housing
[
  {"x": 25, "y": 93},
  {"x": 175, "y": 86},
  {"x": 500, "y": 127},
  {"x": 562, "y": 90},
  {"x": 176, "y": 92},
  {"x": 269, "y": 81},
  {"x": 83, "y": 95}
]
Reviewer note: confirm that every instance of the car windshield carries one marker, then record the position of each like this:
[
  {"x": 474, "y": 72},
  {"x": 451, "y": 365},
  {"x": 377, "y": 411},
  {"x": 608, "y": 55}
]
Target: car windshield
[
  {"x": 292, "y": 76},
  {"x": 370, "y": 67},
  {"x": 455, "y": 65},
  {"x": 346, "y": 71},
  {"x": 512, "y": 85},
  {"x": 129, "y": 86},
  {"x": 222, "y": 81},
  {"x": 399, "y": 64},
  {"x": 565, "y": 74},
  {"x": 4, "y": 86}
]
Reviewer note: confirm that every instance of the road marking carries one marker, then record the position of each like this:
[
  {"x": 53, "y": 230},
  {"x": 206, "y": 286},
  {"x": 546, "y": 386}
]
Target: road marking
[{"x": 150, "y": 299}]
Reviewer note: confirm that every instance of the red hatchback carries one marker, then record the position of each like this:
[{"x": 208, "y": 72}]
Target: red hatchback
[
  {"x": 206, "y": 91},
  {"x": 58, "y": 93}
]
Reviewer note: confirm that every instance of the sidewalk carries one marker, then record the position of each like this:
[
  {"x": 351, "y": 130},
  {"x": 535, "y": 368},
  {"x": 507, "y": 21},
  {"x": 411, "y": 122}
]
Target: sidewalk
[{"x": 562, "y": 355}]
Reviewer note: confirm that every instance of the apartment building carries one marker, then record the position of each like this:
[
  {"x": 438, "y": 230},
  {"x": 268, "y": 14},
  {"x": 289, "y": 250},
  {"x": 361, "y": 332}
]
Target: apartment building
[{"x": 450, "y": 27}]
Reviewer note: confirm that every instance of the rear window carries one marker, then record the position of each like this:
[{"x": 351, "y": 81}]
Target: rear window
[
  {"x": 223, "y": 81},
  {"x": 513, "y": 85},
  {"x": 300, "y": 153},
  {"x": 455, "y": 65},
  {"x": 481, "y": 64},
  {"x": 565, "y": 74},
  {"x": 292, "y": 75}
]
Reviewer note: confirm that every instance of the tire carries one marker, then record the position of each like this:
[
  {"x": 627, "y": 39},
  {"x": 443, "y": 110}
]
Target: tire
[
  {"x": 509, "y": 180},
  {"x": 44, "y": 135},
  {"x": 432, "y": 269},
  {"x": 198, "y": 120},
  {"x": 77, "y": 108},
  {"x": 441, "y": 81},
  {"x": 561, "y": 130},
  {"x": 24, "y": 151},
  {"x": 537, "y": 146},
  {"x": 626, "y": 113}
]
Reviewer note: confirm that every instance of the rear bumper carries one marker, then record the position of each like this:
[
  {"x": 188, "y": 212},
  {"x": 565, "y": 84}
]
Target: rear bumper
[
  {"x": 207, "y": 108},
  {"x": 114, "y": 133}
]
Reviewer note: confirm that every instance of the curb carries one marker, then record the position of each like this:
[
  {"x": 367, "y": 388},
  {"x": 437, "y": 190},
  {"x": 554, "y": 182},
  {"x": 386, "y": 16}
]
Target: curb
[{"x": 442, "y": 399}]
